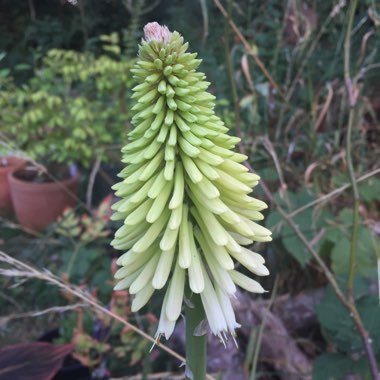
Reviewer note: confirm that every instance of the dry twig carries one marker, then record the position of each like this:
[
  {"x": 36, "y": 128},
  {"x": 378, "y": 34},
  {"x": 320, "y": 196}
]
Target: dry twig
[
  {"x": 23, "y": 270},
  {"x": 247, "y": 46},
  {"x": 55, "y": 309}
]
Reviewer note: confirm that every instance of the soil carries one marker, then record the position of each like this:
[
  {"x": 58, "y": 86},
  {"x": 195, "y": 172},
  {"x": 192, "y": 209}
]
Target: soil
[{"x": 34, "y": 174}]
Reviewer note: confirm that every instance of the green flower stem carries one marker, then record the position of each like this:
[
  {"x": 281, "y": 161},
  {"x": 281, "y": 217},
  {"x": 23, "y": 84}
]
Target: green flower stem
[
  {"x": 352, "y": 104},
  {"x": 72, "y": 260},
  {"x": 355, "y": 211},
  {"x": 196, "y": 346},
  {"x": 352, "y": 94}
]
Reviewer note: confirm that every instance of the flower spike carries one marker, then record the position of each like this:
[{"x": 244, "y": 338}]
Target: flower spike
[{"x": 185, "y": 196}]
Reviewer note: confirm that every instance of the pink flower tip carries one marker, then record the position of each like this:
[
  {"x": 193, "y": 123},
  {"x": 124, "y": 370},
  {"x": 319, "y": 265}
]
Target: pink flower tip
[{"x": 155, "y": 31}]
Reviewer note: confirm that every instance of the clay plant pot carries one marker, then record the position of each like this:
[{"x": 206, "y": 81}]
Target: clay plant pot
[
  {"x": 7, "y": 165},
  {"x": 39, "y": 204}
]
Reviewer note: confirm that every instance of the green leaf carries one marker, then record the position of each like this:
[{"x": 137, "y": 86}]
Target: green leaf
[
  {"x": 369, "y": 190},
  {"x": 338, "y": 325},
  {"x": 345, "y": 216},
  {"x": 4, "y": 73},
  {"x": 333, "y": 366},
  {"x": 23, "y": 66},
  {"x": 366, "y": 255},
  {"x": 309, "y": 223}
]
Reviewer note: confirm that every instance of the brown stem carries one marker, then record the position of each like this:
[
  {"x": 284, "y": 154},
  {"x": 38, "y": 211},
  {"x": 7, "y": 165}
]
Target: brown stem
[
  {"x": 352, "y": 97},
  {"x": 347, "y": 302},
  {"x": 32, "y": 10},
  {"x": 247, "y": 46},
  {"x": 289, "y": 93},
  {"x": 234, "y": 94},
  {"x": 91, "y": 181},
  {"x": 334, "y": 193},
  {"x": 21, "y": 269}
]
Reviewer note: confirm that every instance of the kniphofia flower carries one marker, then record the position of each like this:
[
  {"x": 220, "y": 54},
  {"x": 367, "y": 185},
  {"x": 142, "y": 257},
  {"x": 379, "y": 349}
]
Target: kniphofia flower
[{"x": 185, "y": 195}]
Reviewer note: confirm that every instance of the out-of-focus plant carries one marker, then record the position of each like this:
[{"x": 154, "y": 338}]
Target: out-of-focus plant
[
  {"x": 83, "y": 237},
  {"x": 85, "y": 228},
  {"x": 73, "y": 109},
  {"x": 105, "y": 346},
  {"x": 99, "y": 343}
]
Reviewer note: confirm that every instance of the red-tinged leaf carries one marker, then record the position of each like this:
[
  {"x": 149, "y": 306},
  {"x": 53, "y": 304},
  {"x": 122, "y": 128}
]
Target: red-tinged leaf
[
  {"x": 104, "y": 210},
  {"x": 32, "y": 361}
]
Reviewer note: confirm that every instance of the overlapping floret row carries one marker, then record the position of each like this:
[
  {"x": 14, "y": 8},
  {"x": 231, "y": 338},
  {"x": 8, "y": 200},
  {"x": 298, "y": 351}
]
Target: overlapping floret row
[{"x": 184, "y": 193}]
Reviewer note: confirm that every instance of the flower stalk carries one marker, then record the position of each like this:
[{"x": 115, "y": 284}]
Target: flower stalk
[
  {"x": 196, "y": 341},
  {"x": 185, "y": 199}
]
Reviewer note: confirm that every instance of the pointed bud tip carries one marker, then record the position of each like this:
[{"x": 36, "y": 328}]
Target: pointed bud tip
[{"x": 155, "y": 31}]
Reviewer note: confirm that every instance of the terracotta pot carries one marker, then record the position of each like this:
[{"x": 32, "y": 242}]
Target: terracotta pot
[
  {"x": 14, "y": 163},
  {"x": 39, "y": 204}
]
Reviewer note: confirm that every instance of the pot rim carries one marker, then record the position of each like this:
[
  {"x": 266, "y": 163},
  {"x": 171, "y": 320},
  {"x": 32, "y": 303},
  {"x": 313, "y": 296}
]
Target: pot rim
[
  {"x": 15, "y": 164},
  {"x": 33, "y": 186}
]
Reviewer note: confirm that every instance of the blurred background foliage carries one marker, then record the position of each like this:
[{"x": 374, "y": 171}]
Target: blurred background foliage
[
  {"x": 64, "y": 97},
  {"x": 73, "y": 108}
]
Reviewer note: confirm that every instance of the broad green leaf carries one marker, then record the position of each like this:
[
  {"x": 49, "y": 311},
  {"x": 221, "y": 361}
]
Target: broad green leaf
[
  {"x": 338, "y": 325},
  {"x": 366, "y": 254},
  {"x": 334, "y": 366},
  {"x": 309, "y": 223},
  {"x": 369, "y": 190}
]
